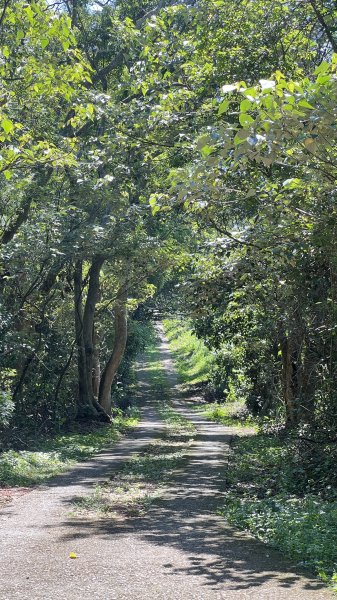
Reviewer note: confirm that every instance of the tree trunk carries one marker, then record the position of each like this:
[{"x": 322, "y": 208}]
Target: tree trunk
[
  {"x": 96, "y": 373},
  {"x": 85, "y": 406},
  {"x": 290, "y": 378},
  {"x": 88, "y": 407},
  {"x": 114, "y": 361},
  {"x": 89, "y": 319}
]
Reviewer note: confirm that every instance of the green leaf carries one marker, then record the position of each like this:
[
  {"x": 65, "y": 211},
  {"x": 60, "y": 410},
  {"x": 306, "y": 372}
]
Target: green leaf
[
  {"x": 129, "y": 22},
  {"x": 305, "y": 104},
  {"x": 90, "y": 110},
  {"x": 292, "y": 184},
  {"x": 206, "y": 150},
  {"x": 245, "y": 105},
  {"x": 155, "y": 209},
  {"x": 322, "y": 68},
  {"x": 250, "y": 92},
  {"x": 19, "y": 35},
  {"x": 223, "y": 107},
  {"x": 44, "y": 43},
  {"x": 245, "y": 120},
  {"x": 238, "y": 139},
  {"x": 30, "y": 14},
  {"x": 8, "y": 175},
  {"x": 7, "y": 125}
]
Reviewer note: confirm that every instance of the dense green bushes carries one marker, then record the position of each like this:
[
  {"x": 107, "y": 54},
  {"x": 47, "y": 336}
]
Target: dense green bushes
[
  {"x": 6, "y": 407},
  {"x": 284, "y": 502},
  {"x": 221, "y": 372}
]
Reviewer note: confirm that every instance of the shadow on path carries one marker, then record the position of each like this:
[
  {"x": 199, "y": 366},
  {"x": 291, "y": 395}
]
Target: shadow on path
[{"x": 203, "y": 547}]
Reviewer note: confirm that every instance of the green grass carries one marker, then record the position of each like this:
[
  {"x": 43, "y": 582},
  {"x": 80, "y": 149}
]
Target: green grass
[
  {"x": 264, "y": 484},
  {"x": 232, "y": 414},
  {"x": 56, "y": 454},
  {"x": 193, "y": 360},
  {"x": 138, "y": 484}
]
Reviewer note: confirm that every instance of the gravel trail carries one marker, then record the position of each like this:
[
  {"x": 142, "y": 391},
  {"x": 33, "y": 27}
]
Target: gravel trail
[{"x": 180, "y": 550}]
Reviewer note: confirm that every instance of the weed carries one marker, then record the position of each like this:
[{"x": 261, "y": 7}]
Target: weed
[
  {"x": 56, "y": 454},
  {"x": 193, "y": 360},
  {"x": 265, "y": 496},
  {"x": 233, "y": 414}
]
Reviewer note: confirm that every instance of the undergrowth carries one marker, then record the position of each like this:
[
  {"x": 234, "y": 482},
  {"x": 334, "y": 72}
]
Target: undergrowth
[
  {"x": 51, "y": 456},
  {"x": 232, "y": 414},
  {"x": 270, "y": 494},
  {"x": 192, "y": 359},
  {"x": 194, "y": 363}
]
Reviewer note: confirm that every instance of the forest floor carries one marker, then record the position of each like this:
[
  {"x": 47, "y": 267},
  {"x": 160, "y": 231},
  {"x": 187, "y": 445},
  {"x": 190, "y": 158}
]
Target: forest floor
[{"x": 140, "y": 520}]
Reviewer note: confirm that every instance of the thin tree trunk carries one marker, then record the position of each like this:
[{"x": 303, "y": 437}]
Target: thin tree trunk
[
  {"x": 85, "y": 406},
  {"x": 96, "y": 373},
  {"x": 89, "y": 318},
  {"x": 115, "y": 359},
  {"x": 88, "y": 406},
  {"x": 329, "y": 31},
  {"x": 290, "y": 378},
  {"x": 286, "y": 380},
  {"x": 62, "y": 375},
  {"x": 41, "y": 178}
]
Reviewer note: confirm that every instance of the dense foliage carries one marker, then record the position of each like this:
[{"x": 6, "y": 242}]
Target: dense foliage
[
  {"x": 230, "y": 139},
  {"x": 162, "y": 155},
  {"x": 144, "y": 143}
]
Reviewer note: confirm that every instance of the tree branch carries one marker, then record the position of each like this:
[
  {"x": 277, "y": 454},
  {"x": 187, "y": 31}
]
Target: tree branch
[{"x": 324, "y": 24}]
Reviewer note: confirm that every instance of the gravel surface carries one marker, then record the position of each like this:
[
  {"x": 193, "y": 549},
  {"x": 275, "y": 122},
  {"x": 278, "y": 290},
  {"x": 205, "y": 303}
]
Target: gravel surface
[{"x": 180, "y": 550}]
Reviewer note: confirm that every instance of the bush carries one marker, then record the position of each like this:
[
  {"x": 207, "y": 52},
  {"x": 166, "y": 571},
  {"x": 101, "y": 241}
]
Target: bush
[
  {"x": 6, "y": 407},
  {"x": 266, "y": 495}
]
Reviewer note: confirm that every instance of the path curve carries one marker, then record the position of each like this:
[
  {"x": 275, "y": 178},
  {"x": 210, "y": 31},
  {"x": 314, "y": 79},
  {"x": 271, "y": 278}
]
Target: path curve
[{"x": 181, "y": 550}]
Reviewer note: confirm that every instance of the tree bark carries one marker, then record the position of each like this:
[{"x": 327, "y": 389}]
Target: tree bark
[
  {"x": 115, "y": 359},
  {"x": 290, "y": 378},
  {"x": 88, "y": 406},
  {"x": 96, "y": 373},
  {"x": 89, "y": 318},
  {"x": 84, "y": 403}
]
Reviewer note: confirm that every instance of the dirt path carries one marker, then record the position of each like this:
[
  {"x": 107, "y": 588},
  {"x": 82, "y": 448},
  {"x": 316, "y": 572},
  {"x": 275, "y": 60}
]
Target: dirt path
[{"x": 179, "y": 551}]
